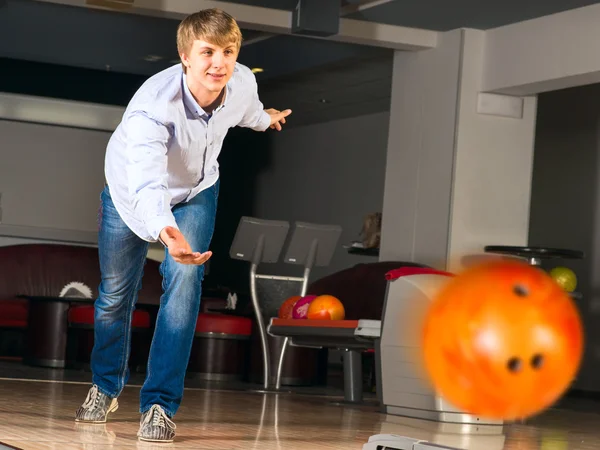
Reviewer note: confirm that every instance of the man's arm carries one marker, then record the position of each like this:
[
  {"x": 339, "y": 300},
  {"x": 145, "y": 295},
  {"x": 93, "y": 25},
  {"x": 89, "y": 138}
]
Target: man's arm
[
  {"x": 259, "y": 119},
  {"x": 148, "y": 186},
  {"x": 147, "y": 172},
  {"x": 255, "y": 117}
]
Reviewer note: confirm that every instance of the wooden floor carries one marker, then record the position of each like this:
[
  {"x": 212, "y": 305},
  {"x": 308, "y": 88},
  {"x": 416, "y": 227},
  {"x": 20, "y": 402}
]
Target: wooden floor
[{"x": 39, "y": 415}]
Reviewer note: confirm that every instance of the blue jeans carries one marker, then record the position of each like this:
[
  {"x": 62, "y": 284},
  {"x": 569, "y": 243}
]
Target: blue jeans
[{"x": 122, "y": 257}]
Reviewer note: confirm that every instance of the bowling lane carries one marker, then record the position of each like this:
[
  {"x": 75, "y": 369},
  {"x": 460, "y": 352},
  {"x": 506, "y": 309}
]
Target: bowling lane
[{"x": 39, "y": 415}]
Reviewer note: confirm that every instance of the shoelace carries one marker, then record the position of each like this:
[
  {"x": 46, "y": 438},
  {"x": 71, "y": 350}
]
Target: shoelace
[
  {"x": 92, "y": 398},
  {"x": 159, "y": 418}
]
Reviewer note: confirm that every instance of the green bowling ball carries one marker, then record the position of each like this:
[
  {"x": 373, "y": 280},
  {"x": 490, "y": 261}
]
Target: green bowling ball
[{"x": 565, "y": 278}]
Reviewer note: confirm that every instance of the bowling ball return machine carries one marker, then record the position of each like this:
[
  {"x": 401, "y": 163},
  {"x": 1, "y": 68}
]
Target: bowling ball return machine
[{"x": 261, "y": 241}]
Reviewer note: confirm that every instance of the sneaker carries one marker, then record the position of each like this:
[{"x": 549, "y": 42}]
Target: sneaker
[
  {"x": 96, "y": 407},
  {"x": 155, "y": 426}
]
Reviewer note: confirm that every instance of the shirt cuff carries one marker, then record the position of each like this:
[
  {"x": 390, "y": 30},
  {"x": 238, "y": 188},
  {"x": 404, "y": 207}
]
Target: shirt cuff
[
  {"x": 155, "y": 226},
  {"x": 264, "y": 122}
]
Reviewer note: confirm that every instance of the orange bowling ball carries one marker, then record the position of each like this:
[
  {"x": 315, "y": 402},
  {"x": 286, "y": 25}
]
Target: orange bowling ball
[
  {"x": 502, "y": 340},
  {"x": 285, "y": 310},
  {"x": 326, "y": 307}
]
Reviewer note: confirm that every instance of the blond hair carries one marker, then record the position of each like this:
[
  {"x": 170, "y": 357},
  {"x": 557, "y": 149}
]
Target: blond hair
[{"x": 210, "y": 25}]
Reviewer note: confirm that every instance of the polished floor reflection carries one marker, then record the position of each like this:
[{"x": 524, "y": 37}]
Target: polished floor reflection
[{"x": 39, "y": 415}]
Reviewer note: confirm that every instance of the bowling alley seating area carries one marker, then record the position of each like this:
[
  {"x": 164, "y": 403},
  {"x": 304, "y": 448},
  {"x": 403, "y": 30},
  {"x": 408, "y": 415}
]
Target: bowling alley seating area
[
  {"x": 47, "y": 314},
  {"x": 46, "y": 303},
  {"x": 46, "y": 318}
]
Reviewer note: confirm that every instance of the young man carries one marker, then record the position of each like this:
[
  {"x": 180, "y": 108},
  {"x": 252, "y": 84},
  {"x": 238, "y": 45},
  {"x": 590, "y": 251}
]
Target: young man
[{"x": 162, "y": 184}]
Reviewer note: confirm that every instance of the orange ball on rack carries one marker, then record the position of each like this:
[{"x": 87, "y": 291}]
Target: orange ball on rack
[
  {"x": 326, "y": 307},
  {"x": 285, "y": 310}
]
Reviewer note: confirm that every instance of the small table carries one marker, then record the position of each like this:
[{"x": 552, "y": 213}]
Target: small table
[
  {"x": 46, "y": 338},
  {"x": 351, "y": 336},
  {"x": 535, "y": 255}
]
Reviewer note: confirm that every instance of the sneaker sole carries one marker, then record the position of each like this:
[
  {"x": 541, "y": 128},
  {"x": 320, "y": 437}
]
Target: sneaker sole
[{"x": 112, "y": 408}]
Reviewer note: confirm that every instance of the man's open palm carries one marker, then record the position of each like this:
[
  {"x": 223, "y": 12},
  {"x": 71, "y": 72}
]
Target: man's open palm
[
  {"x": 277, "y": 117},
  {"x": 179, "y": 248}
]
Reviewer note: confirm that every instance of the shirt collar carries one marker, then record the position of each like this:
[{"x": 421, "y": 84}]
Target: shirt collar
[{"x": 192, "y": 104}]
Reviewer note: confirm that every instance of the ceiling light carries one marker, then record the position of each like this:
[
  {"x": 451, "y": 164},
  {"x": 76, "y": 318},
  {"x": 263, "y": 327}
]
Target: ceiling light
[{"x": 257, "y": 70}]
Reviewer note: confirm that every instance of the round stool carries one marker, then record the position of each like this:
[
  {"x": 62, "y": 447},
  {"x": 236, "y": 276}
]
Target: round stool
[
  {"x": 220, "y": 347},
  {"x": 80, "y": 338}
]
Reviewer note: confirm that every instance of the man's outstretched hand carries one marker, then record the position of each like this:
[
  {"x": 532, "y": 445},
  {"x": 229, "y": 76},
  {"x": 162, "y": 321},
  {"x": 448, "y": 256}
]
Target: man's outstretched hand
[
  {"x": 179, "y": 248},
  {"x": 277, "y": 117}
]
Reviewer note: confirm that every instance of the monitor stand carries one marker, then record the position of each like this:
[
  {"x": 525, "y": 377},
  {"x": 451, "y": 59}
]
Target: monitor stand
[
  {"x": 261, "y": 241},
  {"x": 311, "y": 245}
]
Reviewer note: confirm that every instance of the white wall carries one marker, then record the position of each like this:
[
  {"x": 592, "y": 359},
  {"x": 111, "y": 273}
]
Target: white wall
[
  {"x": 50, "y": 180},
  {"x": 420, "y": 153},
  {"x": 329, "y": 173},
  {"x": 492, "y": 167},
  {"x": 51, "y": 168},
  {"x": 456, "y": 180},
  {"x": 548, "y": 53}
]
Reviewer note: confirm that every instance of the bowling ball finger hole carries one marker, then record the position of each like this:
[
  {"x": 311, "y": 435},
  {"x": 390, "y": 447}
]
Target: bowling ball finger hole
[
  {"x": 520, "y": 290},
  {"x": 514, "y": 364},
  {"x": 537, "y": 361}
]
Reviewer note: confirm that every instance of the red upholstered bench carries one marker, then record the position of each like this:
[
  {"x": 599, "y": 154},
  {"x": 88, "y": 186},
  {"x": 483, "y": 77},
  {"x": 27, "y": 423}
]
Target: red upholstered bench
[
  {"x": 13, "y": 323},
  {"x": 80, "y": 340},
  {"x": 13, "y": 313},
  {"x": 220, "y": 347}
]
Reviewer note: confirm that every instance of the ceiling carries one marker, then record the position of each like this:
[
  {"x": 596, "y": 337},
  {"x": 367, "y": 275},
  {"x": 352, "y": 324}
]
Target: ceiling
[
  {"x": 443, "y": 15},
  {"x": 319, "y": 79}
]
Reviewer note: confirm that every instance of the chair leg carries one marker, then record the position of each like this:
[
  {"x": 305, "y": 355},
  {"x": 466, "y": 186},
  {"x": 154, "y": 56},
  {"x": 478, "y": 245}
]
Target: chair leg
[
  {"x": 261, "y": 327},
  {"x": 280, "y": 364},
  {"x": 353, "y": 385}
]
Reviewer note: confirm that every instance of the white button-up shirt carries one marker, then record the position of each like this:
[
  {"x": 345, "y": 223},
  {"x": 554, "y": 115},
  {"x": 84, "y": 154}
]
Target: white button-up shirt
[{"x": 165, "y": 149}]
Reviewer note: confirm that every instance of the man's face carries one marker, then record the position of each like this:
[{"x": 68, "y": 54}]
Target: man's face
[{"x": 209, "y": 65}]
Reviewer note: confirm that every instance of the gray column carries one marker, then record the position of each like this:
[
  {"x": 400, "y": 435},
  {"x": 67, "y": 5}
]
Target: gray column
[{"x": 458, "y": 173}]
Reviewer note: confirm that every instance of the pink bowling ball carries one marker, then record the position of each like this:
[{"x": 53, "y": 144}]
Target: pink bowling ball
[{"x": 301, "y": 307}]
